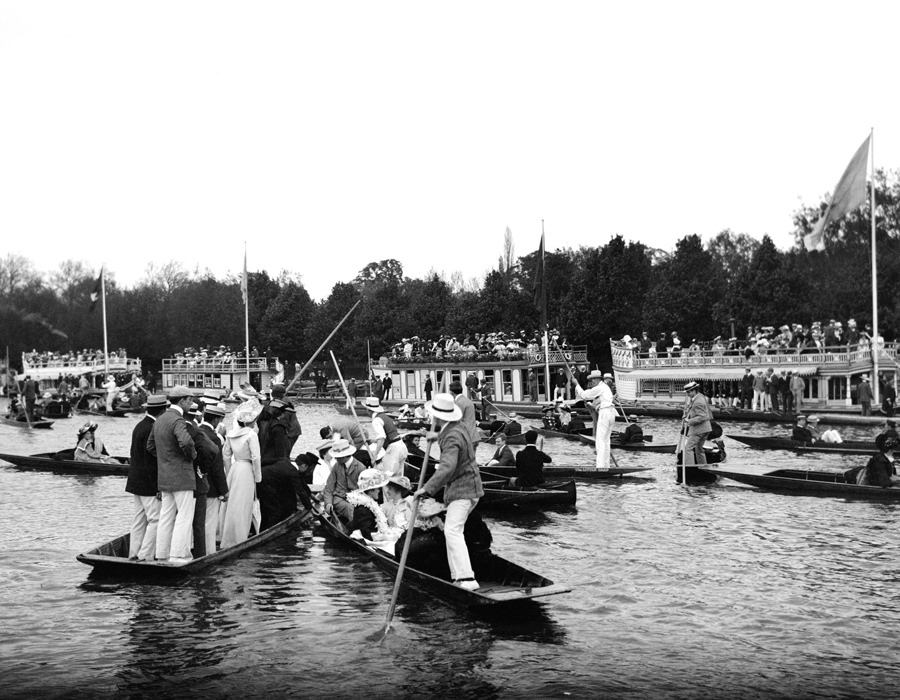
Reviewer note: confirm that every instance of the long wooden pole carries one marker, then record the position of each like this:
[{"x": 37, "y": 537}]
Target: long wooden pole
[
  {"x": 409, "y": 532},
  {"x": 324, "y": 343},
  {"x": 103, "y": 305},
  {"x": 350, "y": 403}
]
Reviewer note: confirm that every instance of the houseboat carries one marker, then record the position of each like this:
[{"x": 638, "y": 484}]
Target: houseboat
[
  {"x": 225, "y": 374},
  {"x": 831, "y": 376},
  {"x": 46, "y": 372},
  {"x": 506, "y": 377}
]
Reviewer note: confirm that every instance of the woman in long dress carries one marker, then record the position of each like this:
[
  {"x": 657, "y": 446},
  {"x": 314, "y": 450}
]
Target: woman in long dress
[{"x": 242, "y": 452}]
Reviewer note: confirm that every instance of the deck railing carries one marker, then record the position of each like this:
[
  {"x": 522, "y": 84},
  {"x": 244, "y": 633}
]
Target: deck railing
[
  {"x": 217, "y": 364},
  {"x": 575, "y": 354}
]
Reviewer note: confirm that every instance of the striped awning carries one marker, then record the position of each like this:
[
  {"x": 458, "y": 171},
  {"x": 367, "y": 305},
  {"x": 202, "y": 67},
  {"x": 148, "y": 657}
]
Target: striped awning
[{"x": 687, "y": 373}]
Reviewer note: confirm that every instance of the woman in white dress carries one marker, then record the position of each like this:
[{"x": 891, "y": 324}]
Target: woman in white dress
[{"x": 242, "y": 452}]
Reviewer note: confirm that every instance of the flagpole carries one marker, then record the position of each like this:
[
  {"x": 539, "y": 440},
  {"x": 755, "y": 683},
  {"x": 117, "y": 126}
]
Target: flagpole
[
  {"x": 246, "y": 314},
  {"x": 103, "y": 303},
  {"x": 876, "y": 350},
  {"x": 546, "y": 324}
]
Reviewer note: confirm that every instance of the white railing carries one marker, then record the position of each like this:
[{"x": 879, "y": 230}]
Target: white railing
[{"x": 218, "y": 364}]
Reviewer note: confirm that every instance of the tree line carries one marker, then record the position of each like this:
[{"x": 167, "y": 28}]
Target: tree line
[{"x": 594, "y": 293}]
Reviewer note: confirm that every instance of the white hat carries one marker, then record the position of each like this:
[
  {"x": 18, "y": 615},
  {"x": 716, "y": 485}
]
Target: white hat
[
  {"x": 595, "y": 374},
  {"x": 607, "y": 375},
  {"x": 342, "y": 448},
  {"x": 444, "y": 407},
  {"x": 691, "y": 386},
  {"x": 248, "y": 411},
  {"x": 626, "y": 338},
  {"x": 373, "y": 404},
  {"x": 371, "y": 479}
]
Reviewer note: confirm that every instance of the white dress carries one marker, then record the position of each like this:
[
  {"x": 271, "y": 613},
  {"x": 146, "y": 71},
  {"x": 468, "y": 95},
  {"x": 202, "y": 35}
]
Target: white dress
[{"x": 245, "y": 472}]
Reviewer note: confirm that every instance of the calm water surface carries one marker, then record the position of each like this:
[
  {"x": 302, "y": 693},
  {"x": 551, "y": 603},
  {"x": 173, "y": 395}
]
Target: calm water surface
[{"x": 719, "y": 591}]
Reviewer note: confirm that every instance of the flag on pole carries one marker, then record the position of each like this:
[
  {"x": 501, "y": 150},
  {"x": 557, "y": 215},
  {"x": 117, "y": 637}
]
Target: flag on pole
[
  {"x": 244, "y": 280},
  {"x": 95, "y": 295},
  {"x": 849, "y": 194},
  {"x": 540, "y": 285}
]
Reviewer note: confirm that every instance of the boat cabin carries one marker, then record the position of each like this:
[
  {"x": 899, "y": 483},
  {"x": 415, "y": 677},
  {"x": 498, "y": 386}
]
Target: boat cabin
[
  {"x": 46, "y": 372},
  {"x": 221, "y": 373}
]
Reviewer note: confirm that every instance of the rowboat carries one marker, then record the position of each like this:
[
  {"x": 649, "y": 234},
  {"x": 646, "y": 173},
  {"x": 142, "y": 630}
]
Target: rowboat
[
  {"x": 848, "y": 447},
  {"x": 112, "y": 558},
  {"x": 54, "y": 462},
  {"x": 501, "y": 581},
  {"x": 39, "y": 423},
  {"x": 499, "y": 494},
  {"x": 804, "y": 482}
]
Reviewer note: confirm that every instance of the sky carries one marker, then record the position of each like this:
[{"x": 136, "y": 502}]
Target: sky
[{"x": 327, "y": 135}]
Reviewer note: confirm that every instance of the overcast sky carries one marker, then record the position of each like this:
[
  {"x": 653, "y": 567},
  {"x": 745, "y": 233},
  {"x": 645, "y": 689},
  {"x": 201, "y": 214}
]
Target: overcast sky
[{"x": 331, "y": 134}]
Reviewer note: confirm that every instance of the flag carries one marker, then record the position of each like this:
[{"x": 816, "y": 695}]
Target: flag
[
  {"x": 849, "y": 194},
  {"x": 95, "y": 295},
  {"x": 244, "y": 280},
  {"x": 540, "y": 285}
]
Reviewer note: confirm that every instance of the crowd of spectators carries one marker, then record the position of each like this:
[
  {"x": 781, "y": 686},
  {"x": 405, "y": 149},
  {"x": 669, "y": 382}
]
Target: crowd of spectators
[
  {"x": 796, "y": 338},
  {"x": 222, "y": 358},
  {"x": 49, "y": 358},
  {"x": 478, "y": 347}
]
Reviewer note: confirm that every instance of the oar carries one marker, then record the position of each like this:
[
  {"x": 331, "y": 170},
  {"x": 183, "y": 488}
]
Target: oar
[
  {"x": 349, "y": 402},
  {"x": 409, "y": 532},
  {"x": 324, "y": 343},
  {"x": 680, "y": 449}
]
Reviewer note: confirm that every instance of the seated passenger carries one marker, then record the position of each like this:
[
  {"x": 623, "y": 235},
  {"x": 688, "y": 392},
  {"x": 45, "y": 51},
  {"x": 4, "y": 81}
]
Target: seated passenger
[
  {"x": 368, "y": 518},
  {"x": 803, "y": 432},
  {"x": 420, "y": 413},
  {"x": 830, "y": 436},
  {"x": 879, "y": 471},
  {"x": 890, "y": 431},
  {"x": 503, "y": 456},
  {"x": 279, "y": 491},
  {"x": 634, "y": 432},
  {"x": 90, "y": 447},
  {"x": 530, "y": 463},
  {"x": 322, "y": 469},
  {"x": 396, "y": 506},
  {"x": 512, "y": 427}
]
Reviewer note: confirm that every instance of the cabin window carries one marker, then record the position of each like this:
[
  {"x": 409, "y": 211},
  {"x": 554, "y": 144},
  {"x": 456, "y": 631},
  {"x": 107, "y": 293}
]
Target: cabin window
[
  {"x": 411, "y": 385},
  {"x": 506, "y": 375},
  {"x": 455, "y": 376},
  {"x": 395, "y": 382},
  {"x": 837, "y": 388}
]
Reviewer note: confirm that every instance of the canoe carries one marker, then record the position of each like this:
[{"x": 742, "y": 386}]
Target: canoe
[
  {"x": 803, "y": 482},
  {"x": 501, "y": 581},
  {"x": 633, "y": 446},
  {"x": 47, "y": 461},
  {"x": 112, "y": 558},
  {"x": 39, "y": 423},
  {"x": 115, "y": 413},
  {"x": 848, "y": 447},
  {"x": 557, "y": 472}
]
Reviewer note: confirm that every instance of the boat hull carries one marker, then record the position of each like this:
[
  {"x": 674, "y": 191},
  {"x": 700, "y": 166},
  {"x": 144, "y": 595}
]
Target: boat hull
[
  {"x": 499, "y": 495},
  {"x": 849, "y": 447},
  {"x": 40, "y": 423},
  {"x": 111, "y": 558},
  {"x": 46, "y": 461},
  {"x": 502, "y": 582},
  {"x": 804, "y": 482}
]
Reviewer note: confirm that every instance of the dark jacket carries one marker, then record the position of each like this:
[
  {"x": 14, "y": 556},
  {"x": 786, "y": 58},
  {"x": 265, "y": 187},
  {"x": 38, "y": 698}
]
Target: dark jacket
[
  {"x": 530, "y": 463},
  {"x": 215, "y": 472},
  {"x": 142, "y": 471},
  {"x": 504, "y": 457},
  {"x": 277, "y": 446},
  {"x": 208, "y": 452},
  {"x": 279, "y": 492},
  {"x": 174, "y": 448},
  {"x": 877, "y": 472}
]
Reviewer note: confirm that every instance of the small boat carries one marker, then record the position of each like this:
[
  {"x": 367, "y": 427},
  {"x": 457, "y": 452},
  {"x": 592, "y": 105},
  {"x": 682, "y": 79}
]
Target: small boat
[
  {"x": 517, "y": 439},
  {"x": 39, "y": 423},
  {"x": 112, "y": 558},
  {"x": 501, "y": 581},
  {"x": 574, "y": 435},
  {"x": 557, "y": 472},
  {"x": 63, "y": 462},
  {"x": 115, "y": 413},
  {"x": 848, "y": 447},
  {"x": 804, "y": 482},
  {"x": 499, "y": 494},
  {"x": 633, "y": 446}
]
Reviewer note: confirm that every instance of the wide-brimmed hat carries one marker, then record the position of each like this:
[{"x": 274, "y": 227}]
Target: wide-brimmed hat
[
  {"x": 179, "y": 391},
  {"x": 217, "y": 409},
  {"x": 374, "y": 404},
  {"x": 194, "y": 410},
  {"x": 342, "y": 448},
  {"x": 156, "y": 401},
  {"x": 429, "y": 507},
  {"x": 248, "y": 411},
  {"x": 400, "y": 481},
  {"x": 371, "y": 479},
  {"x": 86, "y": 428},
  {"x": 607, "y": 375},
  {"x": 865, "y": 377},
  {"x": 210, "y": 396},
  {"x": 325, "y": 445},
  {"x": 444, "y": 407},
  {"x": 691, "y": 386},
  {"x": 595, "y": 374}
]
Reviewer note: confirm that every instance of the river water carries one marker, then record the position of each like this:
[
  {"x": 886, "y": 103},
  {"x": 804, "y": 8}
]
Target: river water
[{"x": 717, "y": 591}]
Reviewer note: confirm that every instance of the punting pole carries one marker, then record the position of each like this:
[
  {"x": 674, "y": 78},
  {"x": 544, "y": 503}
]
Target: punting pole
[
  {"x": 324, "y": 343},
  {"x": 409, "y": 532},
  {"x": 876, "y": 349},
  {"x": 350, "y": 403},
  {"x": 103, "y": 307}
]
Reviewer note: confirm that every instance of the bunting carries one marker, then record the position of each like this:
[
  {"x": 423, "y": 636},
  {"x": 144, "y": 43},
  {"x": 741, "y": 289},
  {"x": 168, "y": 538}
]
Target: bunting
[
  {"x": 95, "y": 295},
  {"x": 540, "y": 285}
]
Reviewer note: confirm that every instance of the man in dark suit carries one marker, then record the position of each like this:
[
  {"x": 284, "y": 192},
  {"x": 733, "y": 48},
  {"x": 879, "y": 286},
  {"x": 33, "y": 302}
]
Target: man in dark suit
[
  {"x": 142, "y": 484},
  {"x": 279, "y": 492},
  {"x": 207, "y": 454},
  {"x": 530, "y": 462},
  {"x": 468, "y": 411},
  {"x": 29, "y": 392},
  {"x": 215, "y": 474}
]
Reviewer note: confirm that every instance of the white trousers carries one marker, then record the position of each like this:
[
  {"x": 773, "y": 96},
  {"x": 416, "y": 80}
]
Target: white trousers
[
  {"x": 176, "y": 525},
  {"x": 143, "y": 527},
  {"x": 759, "y": 403},
  {"x": 606, "y": 419},
  {"x": 212, "y": 523},
  {"x": 454, "y": 525}
]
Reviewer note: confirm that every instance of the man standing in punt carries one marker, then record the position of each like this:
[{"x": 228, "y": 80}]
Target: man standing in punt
[
  {"x": 599, "y": 400},
  {"x": 468, "y": 411},
  {"x": 218, "y": 484},
  {"x": 142, "y": 484},
  {"x": 174, "y": 448},
  {"x": 697, "y": 427}
]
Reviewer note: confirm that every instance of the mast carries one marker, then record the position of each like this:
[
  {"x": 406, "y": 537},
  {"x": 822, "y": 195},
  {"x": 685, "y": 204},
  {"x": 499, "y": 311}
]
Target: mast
[
  {"x": 103, "y": 305},
  {"x": 876, "y": 349}
]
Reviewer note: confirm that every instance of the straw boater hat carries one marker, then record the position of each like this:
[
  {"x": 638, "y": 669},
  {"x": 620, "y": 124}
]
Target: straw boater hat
[
  {"x": 215, "y": 409},
  {"x": 371, "y": 479},
  {"x": 595, "y": 374},
  {"x": 428, "y": 507},
  {"x": 178, "y": 392},
  {"x": 813, "y": 419},
  {"x": 607, "y": 375},
  {"x": 156, "y": 401},
  {"x": 444, "y": 407},
  {"x": 691, "y": 386},
  {"x": 325, "y": 445},
  {"x": 342, "y": 448},
  {"x": 374, "y": 405}
]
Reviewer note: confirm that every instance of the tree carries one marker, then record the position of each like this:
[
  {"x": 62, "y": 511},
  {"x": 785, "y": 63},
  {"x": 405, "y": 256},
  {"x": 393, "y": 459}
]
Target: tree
[
  {"x": 387, "y": 271},
  {"x": 508, "y": 259}
]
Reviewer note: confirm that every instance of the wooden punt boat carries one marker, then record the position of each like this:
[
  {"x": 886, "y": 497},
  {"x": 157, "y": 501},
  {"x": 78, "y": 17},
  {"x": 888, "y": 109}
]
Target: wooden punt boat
[
  {"x": 62, "y": 462},
  {"x": 39, "y": 423},
  {"x": 498, "y": 494},
  {"x": 115, "y": 413},
  {"x": 557, "y": 472},
  {"x": 848, "y": 447},
  {"x": 501, "y": 581},
  {"x": 112, "y": 558},
  {"x": 633, "y": 446},
  {"x": 517, "y": 439},
  {"x": 804, "y": 482}
]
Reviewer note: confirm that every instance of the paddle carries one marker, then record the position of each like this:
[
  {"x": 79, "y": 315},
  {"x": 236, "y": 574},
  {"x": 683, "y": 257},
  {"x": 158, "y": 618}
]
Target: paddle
[
  {"x": 324, "y": 343},
  {"x": 409, "y": 533}
]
